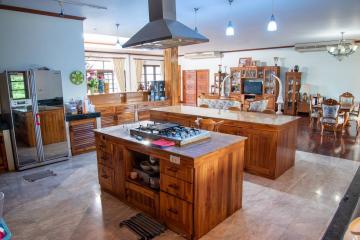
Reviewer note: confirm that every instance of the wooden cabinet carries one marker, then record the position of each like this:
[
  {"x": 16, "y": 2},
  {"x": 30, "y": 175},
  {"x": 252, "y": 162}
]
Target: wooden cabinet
[
  {"x": 195, "y": 83},
  {"x": 191, "y": 199},
  {"x": 82, "y": 137},
  {"x": 269, "y": 150},
  {"x": 292, "y": 92},
  {"x": 3, "y": 159},
  {"x": 270, "y": 87}
]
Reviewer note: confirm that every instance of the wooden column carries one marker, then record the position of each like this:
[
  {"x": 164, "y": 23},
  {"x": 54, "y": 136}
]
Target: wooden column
[{"x": 172, "y": 81}]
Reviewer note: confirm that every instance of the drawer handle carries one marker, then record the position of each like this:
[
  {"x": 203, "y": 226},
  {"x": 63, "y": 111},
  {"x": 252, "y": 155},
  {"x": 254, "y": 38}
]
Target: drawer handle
[
  {"x": 105, "y": 176},
  {"x": 172, "y": 169},
  {"x": 174, "y": 186},
  {"x": 172, "y": 210}
]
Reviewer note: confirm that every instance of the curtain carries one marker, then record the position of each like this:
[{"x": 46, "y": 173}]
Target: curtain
[
  {"x": 139, "y": 69},
  {"x": 119, "y": 68}
]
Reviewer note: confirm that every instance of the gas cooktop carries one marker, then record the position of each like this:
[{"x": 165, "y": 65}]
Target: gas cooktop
[{"x": 170, "y": 131}]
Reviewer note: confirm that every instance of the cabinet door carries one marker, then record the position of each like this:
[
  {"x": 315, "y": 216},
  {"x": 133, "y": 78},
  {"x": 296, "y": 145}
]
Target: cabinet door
[
  {"x": 189, "y": 83},
  {"x": 260, "y": 151},
  {"x": 3, "y": 160}
]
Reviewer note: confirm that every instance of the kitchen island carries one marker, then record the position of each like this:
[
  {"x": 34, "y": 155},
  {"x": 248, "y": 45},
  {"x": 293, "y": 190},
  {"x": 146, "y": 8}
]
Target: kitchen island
[
  {"x": 200, "y": 184},
  {"x": 271, "y": 145}
]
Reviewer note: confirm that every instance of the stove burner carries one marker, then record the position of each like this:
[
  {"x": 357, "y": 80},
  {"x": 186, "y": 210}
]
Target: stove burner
[{"x": 171, "y": 131}]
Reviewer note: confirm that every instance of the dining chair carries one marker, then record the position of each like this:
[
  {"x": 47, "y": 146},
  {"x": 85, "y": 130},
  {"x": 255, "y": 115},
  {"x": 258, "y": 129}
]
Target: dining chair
[
  {"x": 314, "y": 112},
  {"x": 346, "y": 99},
  {"x": 331, "y": 117},
  {"x": 354, "y": 116},
  {"x": 204, "y": 106},
  {"x": 238, "y": 109},
  {"x": 208, "y": 124},
  {"x": 269, "y": 111}
]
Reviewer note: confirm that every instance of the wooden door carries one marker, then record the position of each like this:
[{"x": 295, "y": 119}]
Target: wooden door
[
  {"x": 202, "y": 82},
  {"x": 189, "y": 87}
]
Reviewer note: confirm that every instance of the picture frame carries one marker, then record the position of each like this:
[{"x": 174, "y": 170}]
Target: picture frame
[{"x": 243, "y": 62}]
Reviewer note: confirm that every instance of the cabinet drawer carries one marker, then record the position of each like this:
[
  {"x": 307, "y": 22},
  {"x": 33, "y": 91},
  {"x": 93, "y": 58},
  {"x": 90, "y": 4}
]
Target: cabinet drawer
[
  {"x": 105, "y": 110},
  {"x": 176, "y": 213},
  {"x": 125, "y": 118},
  {"x": 176, "y": 187},
  {"x": 125, "y": 108},
  {"x": 144, "y": 115},
  {"x": 177, "y": 171},
  {"x": 106, "y": 177}
]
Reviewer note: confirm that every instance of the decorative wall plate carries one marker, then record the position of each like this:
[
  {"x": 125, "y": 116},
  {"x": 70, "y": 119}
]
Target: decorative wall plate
[{"x": 77, "y": 77}]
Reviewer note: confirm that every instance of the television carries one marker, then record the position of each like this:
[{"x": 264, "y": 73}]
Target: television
[{"x": 253, "y": 87}]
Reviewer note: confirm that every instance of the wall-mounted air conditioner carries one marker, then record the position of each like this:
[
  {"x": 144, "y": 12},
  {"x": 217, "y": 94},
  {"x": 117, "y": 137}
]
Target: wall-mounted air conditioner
[
  {"x": 317, "y": 46},
  {"x": 202, "y": 55}
]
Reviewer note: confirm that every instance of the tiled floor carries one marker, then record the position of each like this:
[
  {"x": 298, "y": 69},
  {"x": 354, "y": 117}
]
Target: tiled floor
[{"x": 298, "y": 205}]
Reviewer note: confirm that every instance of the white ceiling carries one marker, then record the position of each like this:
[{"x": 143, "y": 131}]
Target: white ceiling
[{"x": 298, "y": 20}]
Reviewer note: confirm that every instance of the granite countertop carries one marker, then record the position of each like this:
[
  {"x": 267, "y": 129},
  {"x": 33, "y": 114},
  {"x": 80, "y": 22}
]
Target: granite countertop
[
  {"x": 248, "y": 117},
  {"x": 75, "y": 117},
  {"x": 194, "y": 150}
]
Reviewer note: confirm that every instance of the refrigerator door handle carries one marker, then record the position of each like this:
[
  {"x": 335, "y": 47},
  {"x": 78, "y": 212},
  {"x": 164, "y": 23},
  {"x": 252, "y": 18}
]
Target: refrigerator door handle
[{"x": 37, "y": 122}]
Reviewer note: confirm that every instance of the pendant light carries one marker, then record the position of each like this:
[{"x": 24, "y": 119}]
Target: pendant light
[
  {"x": 118, "y": 44},
  {"x": 230, "y": 31},
  {"x": 272, "y": 25},
  {"x": 195, "y": 12}
]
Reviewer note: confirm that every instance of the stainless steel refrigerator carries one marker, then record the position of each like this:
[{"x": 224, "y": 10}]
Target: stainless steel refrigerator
[{"x": 32, "y": 104}]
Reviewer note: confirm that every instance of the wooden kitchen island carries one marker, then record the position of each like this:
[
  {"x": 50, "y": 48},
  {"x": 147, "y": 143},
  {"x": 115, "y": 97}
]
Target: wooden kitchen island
[
  {"x": 200, "y": 183},
  {"x": 271, "y": 145}
]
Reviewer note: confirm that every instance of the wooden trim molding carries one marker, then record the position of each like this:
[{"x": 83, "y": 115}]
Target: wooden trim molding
[
  {"x": 39, "y": 12},
  {"x": 125, "y": 53},
  {"x": 258, "y": 49}
]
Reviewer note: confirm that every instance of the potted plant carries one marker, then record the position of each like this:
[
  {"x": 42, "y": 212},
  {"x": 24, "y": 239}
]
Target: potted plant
[{"x": 93, "y": 84}]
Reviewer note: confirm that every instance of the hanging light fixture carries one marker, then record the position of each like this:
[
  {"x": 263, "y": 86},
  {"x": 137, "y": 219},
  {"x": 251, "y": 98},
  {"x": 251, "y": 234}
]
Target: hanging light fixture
[
  {"x": 118, "y": 44},
  {"x": 195, "y": 12},
  {"x": 343, "y": 49},
  {"x": 230, "y": 31},
  {"x": 272, "y": 25}
]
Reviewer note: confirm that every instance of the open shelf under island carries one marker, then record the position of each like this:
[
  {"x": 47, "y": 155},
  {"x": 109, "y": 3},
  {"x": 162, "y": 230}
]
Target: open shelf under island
[{"x": 200, "y": 184}]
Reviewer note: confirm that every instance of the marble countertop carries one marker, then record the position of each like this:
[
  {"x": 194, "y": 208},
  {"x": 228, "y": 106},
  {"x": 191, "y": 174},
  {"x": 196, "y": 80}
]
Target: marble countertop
[
  {"x": 194, "y": 150},
  {"x": 250, "y": 117},
  {"x": 41, "y": 109}
]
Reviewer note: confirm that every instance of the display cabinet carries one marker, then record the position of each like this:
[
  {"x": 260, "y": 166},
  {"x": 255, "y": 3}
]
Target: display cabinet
[{"x": 292, "y": 92}]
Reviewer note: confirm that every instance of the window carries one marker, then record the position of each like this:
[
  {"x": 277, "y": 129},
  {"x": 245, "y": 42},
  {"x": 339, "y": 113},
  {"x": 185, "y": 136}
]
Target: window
[
  {"x": 17, "y": 86},
  {"x": 150, "y": 74},
  {"x": 103, "y": 69}
]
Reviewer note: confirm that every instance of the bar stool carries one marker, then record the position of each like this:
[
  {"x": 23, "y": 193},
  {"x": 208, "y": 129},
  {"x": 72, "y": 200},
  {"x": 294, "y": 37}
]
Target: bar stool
[{"x": 209, "y": 124}]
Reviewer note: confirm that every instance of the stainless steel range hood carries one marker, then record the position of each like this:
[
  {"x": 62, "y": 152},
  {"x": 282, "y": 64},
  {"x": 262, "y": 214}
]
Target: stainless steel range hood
[{"x": 163, "y": 31}]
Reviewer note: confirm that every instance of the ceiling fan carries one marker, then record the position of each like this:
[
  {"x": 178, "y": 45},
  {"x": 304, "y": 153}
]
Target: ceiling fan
[{"x": 63, "y": 2}]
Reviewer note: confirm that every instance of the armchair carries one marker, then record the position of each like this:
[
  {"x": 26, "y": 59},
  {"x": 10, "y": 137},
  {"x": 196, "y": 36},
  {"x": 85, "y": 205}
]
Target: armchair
[
  {"x": 315, "y": 113},
  {"x": 331, "y": 118},
  {"x": 354, "y": 116},
  {"x": 346, "y": 99}
]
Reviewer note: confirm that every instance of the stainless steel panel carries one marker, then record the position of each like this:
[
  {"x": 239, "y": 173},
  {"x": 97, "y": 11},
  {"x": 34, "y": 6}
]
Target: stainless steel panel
[{"x": 48, "y": 85}]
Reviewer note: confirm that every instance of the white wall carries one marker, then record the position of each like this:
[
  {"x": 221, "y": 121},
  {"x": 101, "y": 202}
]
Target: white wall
[
  {"x": 322, "y": 71},
  {"x": 29, "y": 40},
  {"x": 130, "y": 68}
]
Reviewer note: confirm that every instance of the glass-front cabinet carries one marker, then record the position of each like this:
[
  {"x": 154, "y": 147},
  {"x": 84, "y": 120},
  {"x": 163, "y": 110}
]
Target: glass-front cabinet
[{"x": 292, "y": 92}]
